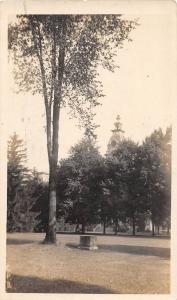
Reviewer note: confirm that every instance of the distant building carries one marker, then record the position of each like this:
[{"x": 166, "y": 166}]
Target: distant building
[{"x": 116, "y": 137}]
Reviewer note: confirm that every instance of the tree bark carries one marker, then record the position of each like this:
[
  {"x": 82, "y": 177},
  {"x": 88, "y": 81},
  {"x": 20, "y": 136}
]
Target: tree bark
[
  {"x": 134, "y": 226},
  {"x": 116, "y": 226},
  {"x": 104, "y": 227},
  {"x": 53, "y": 156},
  {"x": 77, "y": 227},
  {"x": 50, "y": 237},
  {"x": 83, "y": 227},
  {"x": 153, "y": 228}
]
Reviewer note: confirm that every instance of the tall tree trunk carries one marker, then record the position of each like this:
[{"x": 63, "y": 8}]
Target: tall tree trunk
[
  {"x": 51, "y": 228},
  {"x": 57, "y": 80},
  {"x": 158, "y": 229},
  {"x": 50, "y": 237}
]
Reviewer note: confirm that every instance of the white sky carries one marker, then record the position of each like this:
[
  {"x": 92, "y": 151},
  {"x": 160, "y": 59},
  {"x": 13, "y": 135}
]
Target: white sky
[{"x": 140, "y": 92}]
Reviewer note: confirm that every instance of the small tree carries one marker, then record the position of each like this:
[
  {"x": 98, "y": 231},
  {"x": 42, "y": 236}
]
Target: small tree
[{"x": 59, "y": 57}]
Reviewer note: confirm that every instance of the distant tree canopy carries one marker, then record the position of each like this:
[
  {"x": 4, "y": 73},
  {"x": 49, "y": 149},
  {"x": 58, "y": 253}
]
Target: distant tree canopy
[
  {"x": 84, "y": 171},
  {"x": 59, "y": 56},
  {"x": 127, "y": 187},
  {"x": 156, "y": 173},
  {"x": 124, "y": 165}
]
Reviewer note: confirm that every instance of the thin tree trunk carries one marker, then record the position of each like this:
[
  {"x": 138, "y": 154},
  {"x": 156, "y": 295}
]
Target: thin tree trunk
[
  {"x": 153, "y": 228},
  {"x": 116, "y": 226},
  {"x": 77, "y": 227},
  {"x": 158, "y": 229},
  {"x": 104, "y": 227},
  {"x": 83, "y": 227},
  {"x": 134, "y": 226}
]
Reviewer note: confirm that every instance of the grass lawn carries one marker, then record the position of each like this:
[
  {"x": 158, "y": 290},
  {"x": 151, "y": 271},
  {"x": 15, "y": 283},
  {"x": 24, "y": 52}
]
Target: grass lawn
[{"x": 132, "y": 265}]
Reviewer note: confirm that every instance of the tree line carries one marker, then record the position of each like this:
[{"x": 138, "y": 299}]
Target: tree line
[{"x": 126, "y": 187}]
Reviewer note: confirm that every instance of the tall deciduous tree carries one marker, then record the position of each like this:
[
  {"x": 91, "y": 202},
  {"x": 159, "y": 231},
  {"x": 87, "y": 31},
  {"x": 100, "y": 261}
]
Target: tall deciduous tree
[{"x": 60, "y": 56}]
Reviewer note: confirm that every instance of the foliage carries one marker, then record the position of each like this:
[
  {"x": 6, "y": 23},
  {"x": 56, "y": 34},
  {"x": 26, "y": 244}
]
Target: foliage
[
  {"x": 83, "y": 172},
  {"x": 156, "y": 172},
  {"x": 124, "y": 164},
  {"x": 39, "y": 192},
  {"x": 16, "y": 175},
  {"x": 19, "y": 190},
  {"x": 88, "y": 42}
]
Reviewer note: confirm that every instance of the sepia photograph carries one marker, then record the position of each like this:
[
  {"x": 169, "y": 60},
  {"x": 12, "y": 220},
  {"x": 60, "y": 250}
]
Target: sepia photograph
[{"x": 89, "y": 140}]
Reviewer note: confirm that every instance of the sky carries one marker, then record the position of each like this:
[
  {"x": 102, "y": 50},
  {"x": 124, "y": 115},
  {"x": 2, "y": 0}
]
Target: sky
[{"x": 139, "y": 91}]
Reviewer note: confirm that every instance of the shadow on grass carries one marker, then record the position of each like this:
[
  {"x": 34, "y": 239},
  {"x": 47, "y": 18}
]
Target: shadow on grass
[
  {"x": 22, "y": 284},
  {"x": 137, "y": 250},
  {"x": 19, "y": 241},
  {"x": 134, "y": 250}
]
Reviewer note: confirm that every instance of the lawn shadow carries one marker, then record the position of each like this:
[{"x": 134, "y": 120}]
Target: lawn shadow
[
  {"x": 19, "y": 241},
  {"x": 136, "y": 250},
  {"x": 72, "y": 245},
  {"x": 23, "y": 284}
]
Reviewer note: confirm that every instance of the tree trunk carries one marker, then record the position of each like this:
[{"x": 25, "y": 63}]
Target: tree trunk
[
  {"x": 104, "y": 227},
  {"x": 50, "y": 237},
  {"x": 153, "y": 228},
  {"x": 52, "y": 120},
  {"x": 51, "y": 228},
  {"x": 77, "y": 227},
  {"x": 116, "y": 226},
  {"x": 158, "y": 229},
  {"x": 134, "y": 226},
  {"x": 83, "y": 227}
]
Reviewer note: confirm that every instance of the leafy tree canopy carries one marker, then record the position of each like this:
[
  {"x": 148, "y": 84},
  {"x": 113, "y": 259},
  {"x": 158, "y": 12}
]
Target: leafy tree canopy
[{"x": 88, "y": 42}]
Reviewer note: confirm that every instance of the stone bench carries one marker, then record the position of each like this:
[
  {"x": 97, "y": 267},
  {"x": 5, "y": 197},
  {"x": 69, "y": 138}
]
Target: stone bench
[{"x": 88, "y": 242}]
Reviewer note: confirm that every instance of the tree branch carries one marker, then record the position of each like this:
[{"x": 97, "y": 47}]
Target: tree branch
[
  {"x": 58, "y": 92},
  {"x": 38, "y": 46}
]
